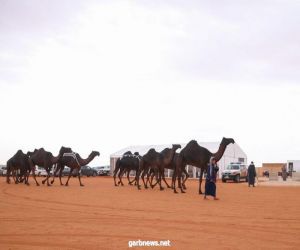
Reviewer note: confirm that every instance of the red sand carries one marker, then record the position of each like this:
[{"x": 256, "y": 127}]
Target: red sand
[{"x": 101, "y": 216}]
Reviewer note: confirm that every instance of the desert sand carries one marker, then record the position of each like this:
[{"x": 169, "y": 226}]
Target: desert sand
[{"x": 102, "y": 216}]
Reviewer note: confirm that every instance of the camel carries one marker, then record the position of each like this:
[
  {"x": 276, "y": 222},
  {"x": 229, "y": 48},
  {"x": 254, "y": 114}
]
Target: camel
[
  {"x": 118, "y": 166},
  {"x": 167, "y": 157},
  {"x": 73, "y": 161},
  {"x": 45, "y": 159},
  {"x": 172, "y": 166},
  {"x": 125, "y": 164},
  {"x": 195, "y": 155},
  {"x": 18, "y": 163},
  {"x": 155, "y": 161}
]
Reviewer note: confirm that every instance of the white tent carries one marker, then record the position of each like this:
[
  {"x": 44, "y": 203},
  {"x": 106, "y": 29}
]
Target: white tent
[{"x": 233, "y": 153}]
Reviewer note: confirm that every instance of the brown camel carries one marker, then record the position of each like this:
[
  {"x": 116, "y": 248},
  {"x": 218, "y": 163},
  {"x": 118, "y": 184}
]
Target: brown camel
[
  {"x": 195, "y": 155},
  {"x": 18, "y": 165},
  {"x": 118, "y": 168},
  {"x": 155, "y": 161},
  {"x": 124, "y": 165},
  {"x": 167, "y": 157},
  {"x": 45, "y": 159},
  {"x": 172, "y": 166},
  {"x": 73, "y": 161}
]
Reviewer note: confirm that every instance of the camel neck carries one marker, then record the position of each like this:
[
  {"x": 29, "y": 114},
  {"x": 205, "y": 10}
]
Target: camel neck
[
  {"x": 218, "y": 155},
  {"x": 86, "y": 161}
]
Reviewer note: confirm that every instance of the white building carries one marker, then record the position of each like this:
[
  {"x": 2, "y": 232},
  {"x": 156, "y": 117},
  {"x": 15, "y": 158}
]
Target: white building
[
  {"x": 233, "y": 153},
  {"x": 293, "y": 166}
]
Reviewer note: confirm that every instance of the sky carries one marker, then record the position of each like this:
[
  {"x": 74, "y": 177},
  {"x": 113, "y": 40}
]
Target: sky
[{"x": 104, "y": 75}]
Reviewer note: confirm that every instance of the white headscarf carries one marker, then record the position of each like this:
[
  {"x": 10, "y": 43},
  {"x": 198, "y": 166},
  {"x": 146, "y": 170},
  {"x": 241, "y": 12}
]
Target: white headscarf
[{"x": 211, "y": 159}]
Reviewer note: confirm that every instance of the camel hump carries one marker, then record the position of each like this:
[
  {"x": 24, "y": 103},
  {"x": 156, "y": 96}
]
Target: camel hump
[
  {"x": 151, "y": 150},
  {"x": 65, "y": 150},
  {"x": 165, "y": 150},
  {"x": 127, "y": 153},
  {"x": 192, "y": 143}
]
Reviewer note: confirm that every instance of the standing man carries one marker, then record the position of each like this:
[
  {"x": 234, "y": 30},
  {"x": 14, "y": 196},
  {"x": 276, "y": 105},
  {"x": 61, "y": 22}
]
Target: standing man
[
  {"x": 211, "y": 178},
  {"x": 284, "y": 172},
  {"x": 251, "y": 174}
]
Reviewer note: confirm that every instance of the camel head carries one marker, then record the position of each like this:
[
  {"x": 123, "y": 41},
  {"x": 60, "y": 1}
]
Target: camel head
[
  {"x": 176, "y": 146},
  {"x": 227, "y": 141},
  {"x": 95, "y": 153}
]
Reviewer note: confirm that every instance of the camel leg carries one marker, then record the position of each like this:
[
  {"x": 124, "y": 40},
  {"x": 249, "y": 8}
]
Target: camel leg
[
  {"x": 128, "y": 178},
  {"x": 200, "y": 180},
  {"x": 33, "y": 171},
  {"x": 21, "y": 176},
  {"x": 79, "y": 178},
  {"x": 179, "y": 174},
  {"x": 165, "y": 181},
  {"x": 71, "y": 170},
  {"x": 145, "y": 171},
  {"x": 60, "y": 175},
  {"x": 18, "y": 176},
  {"x": 137, "y": 179},
  {"x": 156, "y": 175},
  {"x": 33, "y": 175},
  {"x": 15, "y": 176},
  {"x": 56, "y": 168},
  {"x": 151, "y": 180},
  {"x": 174, "y": 181},
  {"x": 121, "y": 173},
  {"x": 139, "y": 172},
  {"x": 134, "y": 180},
  {"x": 160, "y": 174},
  {"x": 47, "y": 177},
  {"x": 8, "y": 173},
  {"x": 149, "y": 172},
  {"x": 186, "y": 177},
  {"x": 26, "y": 177},
  {"x": 115, "y": 174}
]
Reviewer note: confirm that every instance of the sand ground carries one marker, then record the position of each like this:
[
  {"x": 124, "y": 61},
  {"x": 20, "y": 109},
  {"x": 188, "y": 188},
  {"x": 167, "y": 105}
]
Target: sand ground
[{"x": 101, "y": 216}]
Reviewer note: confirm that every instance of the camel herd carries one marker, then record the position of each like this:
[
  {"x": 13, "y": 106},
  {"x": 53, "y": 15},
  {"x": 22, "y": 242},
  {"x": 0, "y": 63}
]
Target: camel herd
[
  {"x": 21, "y": 165},
  {"x": 153, "y": 164},
  {"x": 150, "y": 165}
]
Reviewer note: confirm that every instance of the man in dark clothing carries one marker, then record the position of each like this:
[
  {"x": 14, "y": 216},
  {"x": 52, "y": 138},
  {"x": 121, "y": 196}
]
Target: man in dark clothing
[
  {"x": 284, "y": 172},
  {"x": 251, "y": 174},
  {"x": 211, "y": 178}
]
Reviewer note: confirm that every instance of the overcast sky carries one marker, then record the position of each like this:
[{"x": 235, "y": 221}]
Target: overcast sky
[{"x": 103, "y": 75}]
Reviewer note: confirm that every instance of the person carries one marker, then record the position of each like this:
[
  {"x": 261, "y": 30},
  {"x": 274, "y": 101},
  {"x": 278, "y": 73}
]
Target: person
[
  {"x": 251, "y": 174},
  {"x": 284, "y": 172},
  {"x": 211, "y": 178}
]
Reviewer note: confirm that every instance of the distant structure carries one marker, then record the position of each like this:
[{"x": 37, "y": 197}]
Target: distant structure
[
  {"x": 233, "y": 153},
  {"x": 272, "y": 168},
  {"x": 293, "y": 166}
]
